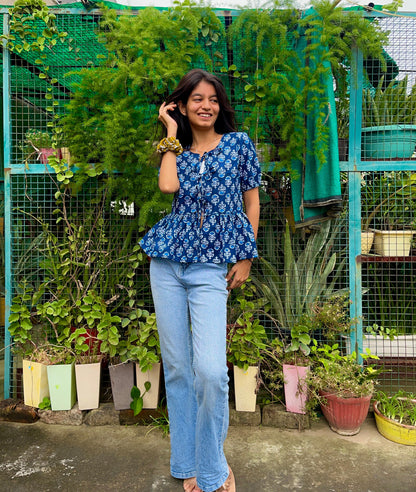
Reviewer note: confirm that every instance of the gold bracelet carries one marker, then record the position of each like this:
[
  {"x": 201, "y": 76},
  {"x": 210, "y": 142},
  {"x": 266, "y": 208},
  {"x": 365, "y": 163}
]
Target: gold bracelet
[{"x": 169, "y": 144}]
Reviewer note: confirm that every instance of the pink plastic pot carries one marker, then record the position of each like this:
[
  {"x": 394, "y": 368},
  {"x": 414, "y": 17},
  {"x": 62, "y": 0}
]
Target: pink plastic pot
[
  {"x": 296, "y": 391},
  {"x": 46, "y": 153}
]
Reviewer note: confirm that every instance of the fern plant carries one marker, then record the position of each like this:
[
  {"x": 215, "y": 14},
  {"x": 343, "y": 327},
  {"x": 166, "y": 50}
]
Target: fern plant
[
  {"x": 283, "y": 60},
  {"x": 112, "y": 120}
]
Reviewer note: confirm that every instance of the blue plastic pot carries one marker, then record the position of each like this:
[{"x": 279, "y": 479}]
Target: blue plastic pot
[{"x": 388, "y": 142}]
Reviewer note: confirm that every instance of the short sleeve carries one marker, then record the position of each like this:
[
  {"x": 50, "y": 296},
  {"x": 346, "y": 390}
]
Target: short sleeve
[{"x": 249, "y": 166}]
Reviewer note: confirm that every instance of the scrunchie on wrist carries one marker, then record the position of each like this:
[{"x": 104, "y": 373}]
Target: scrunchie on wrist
[{"x": 169, "y": 144}]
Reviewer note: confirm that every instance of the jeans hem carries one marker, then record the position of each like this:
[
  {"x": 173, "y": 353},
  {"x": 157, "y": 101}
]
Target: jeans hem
[
  {"x": 184, "y": 475},
  {"x": 217, "y": 485}
]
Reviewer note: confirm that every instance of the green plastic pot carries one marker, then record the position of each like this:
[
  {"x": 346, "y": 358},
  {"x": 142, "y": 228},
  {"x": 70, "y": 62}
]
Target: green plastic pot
[
  {"x": 62, "y": 389},
  {"x": 388, "y": 142}
]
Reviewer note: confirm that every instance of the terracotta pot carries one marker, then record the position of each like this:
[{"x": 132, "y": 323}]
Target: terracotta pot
[
  {"x": 345, "y": 415},
  {"x": 91, "y": 340}
]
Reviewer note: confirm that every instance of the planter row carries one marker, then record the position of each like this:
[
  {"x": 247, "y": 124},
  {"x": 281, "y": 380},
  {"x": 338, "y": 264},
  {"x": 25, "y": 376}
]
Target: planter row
[
  {"x": 387, "y": 243},
  {"x": 344, "y": 415},
  {"x": 65, "y": 383}
]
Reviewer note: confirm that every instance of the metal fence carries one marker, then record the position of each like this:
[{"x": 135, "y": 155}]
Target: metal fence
[{"x": 376, "y": 189}]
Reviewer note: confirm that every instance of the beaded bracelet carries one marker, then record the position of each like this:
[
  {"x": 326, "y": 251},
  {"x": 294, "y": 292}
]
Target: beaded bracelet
[{"x": 169, "y": 144}]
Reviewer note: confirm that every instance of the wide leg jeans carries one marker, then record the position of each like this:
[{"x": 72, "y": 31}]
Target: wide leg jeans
[{"x": 191, "y": 304}]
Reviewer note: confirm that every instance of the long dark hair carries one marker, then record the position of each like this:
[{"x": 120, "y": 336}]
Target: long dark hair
[{"x": 225, "y": 121}]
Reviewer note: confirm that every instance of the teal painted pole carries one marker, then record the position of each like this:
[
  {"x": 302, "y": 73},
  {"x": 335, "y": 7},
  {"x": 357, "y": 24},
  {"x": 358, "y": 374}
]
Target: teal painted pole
[
  {"x": 7, "y": 226},
  {"x": 354, "y": 198}
]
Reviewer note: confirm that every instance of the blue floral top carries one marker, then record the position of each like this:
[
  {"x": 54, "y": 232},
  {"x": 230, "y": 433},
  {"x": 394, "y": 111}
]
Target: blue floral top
[{"x": 207, "y": 222}]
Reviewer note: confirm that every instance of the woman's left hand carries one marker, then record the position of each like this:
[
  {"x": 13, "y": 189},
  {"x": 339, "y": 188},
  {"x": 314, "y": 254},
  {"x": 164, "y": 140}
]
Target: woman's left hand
[{"x": 238, "y": 274}]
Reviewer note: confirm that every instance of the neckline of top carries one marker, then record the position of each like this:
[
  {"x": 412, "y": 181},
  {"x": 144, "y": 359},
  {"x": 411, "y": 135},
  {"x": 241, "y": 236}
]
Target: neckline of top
[{"x": 208, "y": 151}]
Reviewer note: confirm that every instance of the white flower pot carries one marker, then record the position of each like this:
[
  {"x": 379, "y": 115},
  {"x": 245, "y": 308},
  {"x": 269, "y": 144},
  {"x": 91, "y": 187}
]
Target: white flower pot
[
  {"x": 392, "y": 243},
  {"x": 245, "y": 383},
  {"x": 367, "y": 239},
  {"x": 151, "y": 398},
  {"x": 400, "y": 346},
  {"x": 88, "y": 385}
]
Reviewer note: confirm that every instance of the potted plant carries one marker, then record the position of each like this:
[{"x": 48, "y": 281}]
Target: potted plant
[
  {"x": 88, "y": 359},
  {"x": 292, "y": 280},
  {"x": 389, "y": 117},
  {"x": 144, "y": 349},
  {"x": 342, "y": 387},
  {"x": 396, "y": 416},
  {"x": 60, "y": 362},
  {"x": 296, "y": 368},
  {"x": 246, "y": 340},
  {"x": 385, "y": 211},
  {"x": 39, "y": 144},
  {"x": 327, "y": 320},
  {"x": 27, "y": 338}
]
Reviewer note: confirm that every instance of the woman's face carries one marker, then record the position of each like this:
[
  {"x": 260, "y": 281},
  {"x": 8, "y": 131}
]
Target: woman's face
[{"x": 202, "y": 107}]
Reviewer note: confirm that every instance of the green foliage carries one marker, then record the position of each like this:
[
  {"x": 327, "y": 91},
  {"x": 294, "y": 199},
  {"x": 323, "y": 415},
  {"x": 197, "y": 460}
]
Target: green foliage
[
  {"x": 390, "y": 106},
  {"x": 400, "y": 407},
  {"x": 340, "y": 374},
  {"x": 38, "y": 139},
  {"x": 300, "y": 339},
  {"x": 25, "y": 18},
  {"x": 292, "y": 288},
  {"x": 331, "y": 316},
  {"x": 33, "y": 32},
  {"x": 246, "y": 337},
  {"x": 387, "y": 200},
  {"x": 20, "y": 320},
  {"x": 137, "y": 398},
  {"x": 271, "y": 371},
  {"x": 142, "y": 339},
  {"x": 45, "y": 404},
  {"x": 284, "y": 57},
  {"x": 386, "y": 333},
  {"x": 87, "y": 279},
  {"x": 111, "y": 123},
  {"x": 161, "y": 422}
]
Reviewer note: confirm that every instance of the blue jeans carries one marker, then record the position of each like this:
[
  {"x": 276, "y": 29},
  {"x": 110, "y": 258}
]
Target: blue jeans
[{"x": 195, "y": 365}]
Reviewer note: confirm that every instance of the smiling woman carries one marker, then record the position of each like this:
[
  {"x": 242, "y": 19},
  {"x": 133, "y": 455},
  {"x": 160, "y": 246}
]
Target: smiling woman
[
  {"x": 202, "y": 109},
  {"x": 214, "y": 172}
]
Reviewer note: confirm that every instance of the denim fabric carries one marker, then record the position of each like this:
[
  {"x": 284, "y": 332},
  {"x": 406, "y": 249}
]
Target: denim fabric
[{"x": 195, "y": 366}]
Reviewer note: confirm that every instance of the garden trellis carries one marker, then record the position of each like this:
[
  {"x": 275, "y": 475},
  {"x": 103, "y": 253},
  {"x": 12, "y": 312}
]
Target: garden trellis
[{"x": 37, "y": 90}]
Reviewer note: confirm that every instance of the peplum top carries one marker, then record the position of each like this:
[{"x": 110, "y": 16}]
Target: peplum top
[{"x": 207, "y": 223}]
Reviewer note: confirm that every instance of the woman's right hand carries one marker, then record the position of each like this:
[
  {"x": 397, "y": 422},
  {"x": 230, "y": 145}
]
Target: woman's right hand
[{"x": 167, "y": 119}]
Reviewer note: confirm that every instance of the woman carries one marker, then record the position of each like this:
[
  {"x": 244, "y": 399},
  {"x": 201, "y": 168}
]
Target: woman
[{"x": 212, "y": 170}]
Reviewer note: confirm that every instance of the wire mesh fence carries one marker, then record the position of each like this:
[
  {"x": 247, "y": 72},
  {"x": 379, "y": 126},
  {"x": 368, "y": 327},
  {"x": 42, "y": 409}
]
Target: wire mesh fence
[{"x": 387, "y": 196}]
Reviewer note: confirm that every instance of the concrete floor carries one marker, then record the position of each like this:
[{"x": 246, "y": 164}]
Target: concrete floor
[{"x": 41, "y": 457}]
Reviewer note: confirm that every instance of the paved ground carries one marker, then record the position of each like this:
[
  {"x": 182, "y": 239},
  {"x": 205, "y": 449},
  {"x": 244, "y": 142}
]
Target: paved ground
[{"x": 41, "y": 457}]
